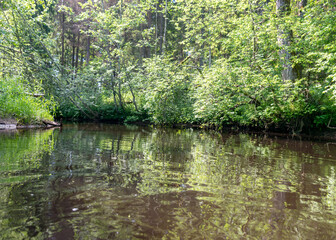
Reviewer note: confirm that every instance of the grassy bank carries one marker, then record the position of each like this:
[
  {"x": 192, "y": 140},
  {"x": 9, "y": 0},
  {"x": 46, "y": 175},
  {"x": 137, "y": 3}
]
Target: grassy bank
[{"x": 17, "y": 101}]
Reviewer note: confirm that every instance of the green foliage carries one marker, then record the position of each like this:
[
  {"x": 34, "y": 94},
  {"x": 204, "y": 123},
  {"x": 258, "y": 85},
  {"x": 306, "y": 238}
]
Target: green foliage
[
  {"x": 211, "y": 62},
  {"x": 166, "y": 95},
  {"x": 17, "y": 101}
]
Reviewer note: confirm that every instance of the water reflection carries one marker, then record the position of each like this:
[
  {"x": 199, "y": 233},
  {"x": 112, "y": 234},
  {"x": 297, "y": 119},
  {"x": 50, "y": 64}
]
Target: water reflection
[{"x": 126, "y": 182}]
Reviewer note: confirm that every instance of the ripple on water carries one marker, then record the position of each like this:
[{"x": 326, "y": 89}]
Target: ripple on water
[{"x": 116, "y": 182}]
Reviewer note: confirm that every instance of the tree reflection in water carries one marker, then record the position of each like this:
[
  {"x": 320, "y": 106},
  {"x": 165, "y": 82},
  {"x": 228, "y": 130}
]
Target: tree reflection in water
[{"x": 123, "y": 182}]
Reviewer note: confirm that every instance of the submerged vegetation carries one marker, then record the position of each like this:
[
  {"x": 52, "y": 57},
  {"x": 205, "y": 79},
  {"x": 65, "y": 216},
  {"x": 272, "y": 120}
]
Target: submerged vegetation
[{"x": 251, "y": 63}]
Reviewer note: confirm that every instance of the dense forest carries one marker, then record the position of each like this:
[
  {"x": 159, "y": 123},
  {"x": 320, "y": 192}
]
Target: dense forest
[{"x": 251, "y": 63}]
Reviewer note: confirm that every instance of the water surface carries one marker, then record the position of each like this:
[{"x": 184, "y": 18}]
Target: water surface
[{"x": 92, "y": 181}]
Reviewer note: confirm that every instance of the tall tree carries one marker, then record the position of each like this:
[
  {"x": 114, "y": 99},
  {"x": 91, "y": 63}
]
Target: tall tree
[{"x": 284, "y": 39}]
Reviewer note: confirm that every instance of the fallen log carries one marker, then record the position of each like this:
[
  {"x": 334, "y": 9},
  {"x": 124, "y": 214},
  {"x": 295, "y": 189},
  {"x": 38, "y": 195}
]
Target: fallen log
[
  {"x": 35, "y": 94},
  {"x": 52, "y": 123}
]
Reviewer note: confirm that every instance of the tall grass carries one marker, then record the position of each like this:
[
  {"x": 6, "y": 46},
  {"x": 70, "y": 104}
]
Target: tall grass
[{"x": 16, "y": 102}]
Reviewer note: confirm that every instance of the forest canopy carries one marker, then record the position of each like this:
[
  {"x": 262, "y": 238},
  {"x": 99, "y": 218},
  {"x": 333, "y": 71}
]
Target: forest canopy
[{"x": 250, "y": 63}]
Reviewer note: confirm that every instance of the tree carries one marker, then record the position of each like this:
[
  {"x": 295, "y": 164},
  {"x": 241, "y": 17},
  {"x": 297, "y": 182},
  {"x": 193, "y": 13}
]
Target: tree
[{"x": 284, "y": 39}]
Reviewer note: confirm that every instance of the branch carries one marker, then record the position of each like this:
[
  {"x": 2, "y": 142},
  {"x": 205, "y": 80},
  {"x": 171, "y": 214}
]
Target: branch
[
  {"x": 329, "y": 124},
  {"x": 9, "y": 48},
  {"x": 35, "y": 94}
]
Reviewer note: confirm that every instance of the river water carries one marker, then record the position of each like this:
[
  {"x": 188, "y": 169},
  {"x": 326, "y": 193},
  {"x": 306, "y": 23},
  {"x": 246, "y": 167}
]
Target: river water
[{"x": 92, "y": 181}]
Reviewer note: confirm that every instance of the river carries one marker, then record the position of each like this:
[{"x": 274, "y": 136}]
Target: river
[{"x": 100, "y": 181}]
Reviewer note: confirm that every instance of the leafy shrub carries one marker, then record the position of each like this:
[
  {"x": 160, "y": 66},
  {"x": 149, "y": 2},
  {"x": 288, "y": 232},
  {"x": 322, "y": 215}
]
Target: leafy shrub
[
  {"x": 166, "y": 92},
  {"x": 229, "y": 94}
]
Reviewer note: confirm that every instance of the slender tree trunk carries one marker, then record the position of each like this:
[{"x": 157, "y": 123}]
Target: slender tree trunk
[
  {"x": 103, "y": 6},
  {"x": 114, "y": 93},
  {"x": 201, "y": 60},
  {"x": 77, "y": 50},
  {"x": 114, "y": 96},
  {"x": 119, "y": 83},
  {"x": 284, "y": 40},
  {"x": 147, "y": 48},
  {"x": 156, "y": 27},
  {"x": 130, "y": 87},
  {"x": 165, "y": 28},
  {"x": 142, "y": 48},
  {"x": 73, "y": 50},
  {"x": 113, "y": 76},
  {"x": 82, "y": 58},
  {"x": 210, "y": 56},
  {"x": 88, "y": 50},
  {"x": 62, "y": 39},
  {"x": 120, "y": 59},
  {"x": 302, "y": 4},
  {"x": 161, "y": 27},
  {"x": 298, "y": 68},
  {"x": 254, "y": 33},
  {"x": 209, "y": 31},
  {"x": 134, "y": 101}
]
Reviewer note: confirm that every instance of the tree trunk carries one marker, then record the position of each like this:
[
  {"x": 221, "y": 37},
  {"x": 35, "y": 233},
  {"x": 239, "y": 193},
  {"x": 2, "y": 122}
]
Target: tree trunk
[
  {"x": 120, "y": 60},
  {"x": 209, "y": 31},
  {"x": 298, "y": 68},
  {"x": 161, "y": 27},
  {"x": 82, "y": 58},
  {"x": 284, "y": 39},
  {"x": 77, "y": 51},
  {"x": 62, "y": 39},
  {"x": 134, "y": 101},
  {"x": 88, "y": 50},
  {"x": 114, "y": 93},
  {"x": 148, "y": 48},
  {"x": 156, "y": 28},
  {"x": 73, "y": 50},
  {"x": 201, "y": 60},
  {"x": 302, "y": 4},
  {"x": 165, "y": 28}
]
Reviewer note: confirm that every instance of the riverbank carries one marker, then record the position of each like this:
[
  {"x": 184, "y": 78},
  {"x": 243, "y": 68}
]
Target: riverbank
[
  {"x": 315, "y": 134},
  {"x": 7, "y": 124},
  {"x": 11, "y": 124}
]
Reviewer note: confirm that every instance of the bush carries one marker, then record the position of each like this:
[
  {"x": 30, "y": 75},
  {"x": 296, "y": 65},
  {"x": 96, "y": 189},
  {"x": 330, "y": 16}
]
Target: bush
[
  {"x": 229, "y": 94},
  {"x": 166, "y": 92}
]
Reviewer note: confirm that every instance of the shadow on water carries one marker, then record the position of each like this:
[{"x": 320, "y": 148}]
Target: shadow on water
[{"x": 104, "y": 181}]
